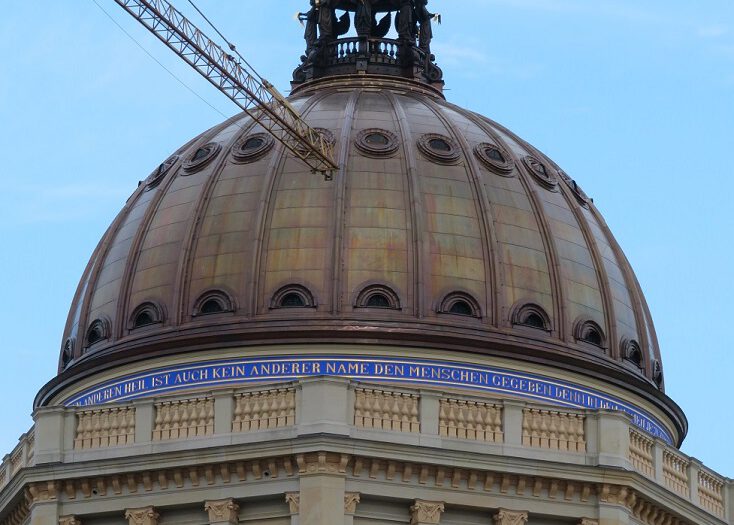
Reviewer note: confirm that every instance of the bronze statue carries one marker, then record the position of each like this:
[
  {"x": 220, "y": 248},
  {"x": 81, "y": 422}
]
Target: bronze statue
[
  {"x": 405, "y": 21},
  {"x": 364, "y": 18},
  {"x": 424, "y": 17}
]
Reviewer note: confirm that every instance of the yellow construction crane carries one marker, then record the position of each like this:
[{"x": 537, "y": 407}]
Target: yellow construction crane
[{"x": 236, "y": 79}]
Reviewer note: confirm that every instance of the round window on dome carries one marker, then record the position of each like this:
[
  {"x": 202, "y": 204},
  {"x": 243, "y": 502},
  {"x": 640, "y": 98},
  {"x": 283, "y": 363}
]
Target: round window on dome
[
  {"x": 496, "y": 158},
  {"x": 439, "y": 148},
  {"x": 377, "y": 142},
  {"x": 541, "y": 172},
  {"x": 293, "y": 296},
  {"x": 202, "y": 157},
  {"x": 252, "y": 147}
]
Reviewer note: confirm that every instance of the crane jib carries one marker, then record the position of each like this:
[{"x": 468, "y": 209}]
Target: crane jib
[{"x": 254, "y": 95}]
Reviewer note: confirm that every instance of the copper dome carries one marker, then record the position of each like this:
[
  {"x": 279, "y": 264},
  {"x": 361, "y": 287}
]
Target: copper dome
[{"x": 443, "y": 230}]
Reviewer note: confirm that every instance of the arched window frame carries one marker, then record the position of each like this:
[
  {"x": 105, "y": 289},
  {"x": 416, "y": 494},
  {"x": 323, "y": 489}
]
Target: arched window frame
[
  {"x": 522, "y": 311},
  {"x": 449, "y": 301},
  {"x": 102, "y": 327},
  {"x": 371, "y": 290},
  {"x": 309, "y": 301},
  {"x": 67, "y": 353},
  {"x": 222, "y": 297},
  {"x": 630, "y": 349},
  {"x": 153, "y": 309},
  {"x": 583, "y": 329}
]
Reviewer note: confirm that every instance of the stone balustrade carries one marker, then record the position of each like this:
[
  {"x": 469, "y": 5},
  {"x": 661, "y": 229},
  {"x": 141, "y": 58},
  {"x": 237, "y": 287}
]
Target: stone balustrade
[
  {"x": 469, "y": 419},
  {"x": 386, "y": 410},
  {"x": 554, "y": 430},
  {"x": 19, "y": 458},
  {"x": 641, "y": 453},
  {"x": 503, "y": 427},
  {"x": 104, "y": 427},
  {"x": 264, "y": 410},
  {"x": 182, "y": 419}
]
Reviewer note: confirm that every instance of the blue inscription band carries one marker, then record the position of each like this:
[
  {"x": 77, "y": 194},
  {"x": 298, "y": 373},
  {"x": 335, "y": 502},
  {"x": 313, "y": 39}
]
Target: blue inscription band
[{"x": 287, "y": 368}]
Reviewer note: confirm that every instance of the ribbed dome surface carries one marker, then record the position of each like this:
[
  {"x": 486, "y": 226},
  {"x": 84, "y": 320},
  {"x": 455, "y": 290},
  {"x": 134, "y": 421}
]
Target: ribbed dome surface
[{"x": 443, "y": 229}]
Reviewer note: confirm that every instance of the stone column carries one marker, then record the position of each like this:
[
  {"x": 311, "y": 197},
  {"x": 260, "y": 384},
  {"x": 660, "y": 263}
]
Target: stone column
[
  {"x": 351, "y": 499},
  {"x": 426, "y": 512},
  {"x": 222, "y": 512},
  {"x": 142, "y": 516},
  {"x": 69, "y": 520},
  {"x": 510, "y": 517}
]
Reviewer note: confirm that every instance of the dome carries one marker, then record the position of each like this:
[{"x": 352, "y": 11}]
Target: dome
[{"x": 442, "y": 230}]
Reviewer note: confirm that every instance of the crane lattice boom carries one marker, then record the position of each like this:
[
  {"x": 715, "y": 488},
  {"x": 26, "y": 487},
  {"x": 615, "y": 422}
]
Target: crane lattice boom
[{"x": 238, "y": 81}]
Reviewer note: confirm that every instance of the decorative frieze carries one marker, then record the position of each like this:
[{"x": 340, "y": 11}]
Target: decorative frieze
[
  {"x": 510, "y": 517},
  {"x": 105, "y": 427},
  {"x": 641, "y": 453},
  {"x": 426, "y": 512},
  {"x": 386, "y": 410},
  {"x": 264, "y": 410},
  {"x": 142, "y": 516},
  {"x": 675, "y": 472},
  {"x": 222, "y": 512},
  {"x": 473, "y": 420},
  {"x": 183, "y": 419},
  {"x": 550, "y": 429}
]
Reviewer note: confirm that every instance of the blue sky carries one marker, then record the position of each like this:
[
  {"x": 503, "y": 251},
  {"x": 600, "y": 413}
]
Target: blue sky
[{"x": 634, "y": 99}]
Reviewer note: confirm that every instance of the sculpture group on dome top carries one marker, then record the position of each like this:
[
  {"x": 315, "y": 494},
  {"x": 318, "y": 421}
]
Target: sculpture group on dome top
[{"x": 412, "y": 21}]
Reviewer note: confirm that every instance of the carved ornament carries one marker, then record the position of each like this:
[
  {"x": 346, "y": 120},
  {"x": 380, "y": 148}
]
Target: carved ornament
[
  {"x": 426, "y": 512},
  {"x": 223, "y": 511},
  {"x": 510, "y": 517},
  {"x": 293, "y": 499},
  {"x": 142, "y": 516},
  {"x": 69, "y": 520},
  {"x": 350, "y": 502}
]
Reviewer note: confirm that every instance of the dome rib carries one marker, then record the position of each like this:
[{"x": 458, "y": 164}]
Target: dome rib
[
  {"x": 489, "y": 237},
  {"x": 421, "y": 250},
  {"x": 341, "y": 182}
]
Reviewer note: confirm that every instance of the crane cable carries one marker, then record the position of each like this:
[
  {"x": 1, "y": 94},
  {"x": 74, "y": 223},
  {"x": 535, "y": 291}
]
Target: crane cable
[
  {"x": 158, "y": 61},
  {"x": 252, "y": 70}
]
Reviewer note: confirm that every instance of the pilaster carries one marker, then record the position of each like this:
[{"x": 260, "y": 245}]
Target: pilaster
[
  {"x": 293, "y": 500},
  {"x": 351, "y": 499},
  {"x": 144, "y": 421},
  {"x": 223, "y": 412},
  {"x": 49, "y": 435},
  {"x": 694, "y": 468},
  {"x": 222, "y": 512},
  {"x": 142, "y": 516},
  {"x": 44, "y": 513},
  {"x": 429, "y": 408},
  {"x": 426, "y": 512},
  {"x": 512, "y": 414},
  {"x": 323, "y": 406},
  {"x": 614, "y": 439},
  {"x": 510, "y": 517}
]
